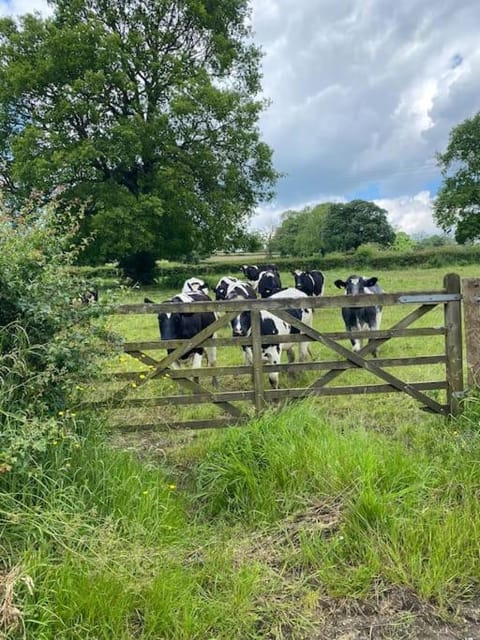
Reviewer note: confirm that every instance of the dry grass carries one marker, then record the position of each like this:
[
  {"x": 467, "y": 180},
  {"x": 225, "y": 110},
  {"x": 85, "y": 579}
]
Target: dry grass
[{"x": 11, "y": 616}]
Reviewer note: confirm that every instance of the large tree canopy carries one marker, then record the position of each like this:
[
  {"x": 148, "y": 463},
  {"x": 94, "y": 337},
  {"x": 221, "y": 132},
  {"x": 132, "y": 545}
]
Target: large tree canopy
[
  {"x": 457, "y": 205},
  {"x": 145, "y": 111},
  {"x": 300, "y": 232},
  {"x": 347, "y": 226}
]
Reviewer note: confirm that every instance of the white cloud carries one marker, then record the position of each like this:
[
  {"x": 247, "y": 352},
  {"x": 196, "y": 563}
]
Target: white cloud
[
  {"x": 268, "y": 216},
  {"x": 364, "y": 92},
  {"x": 412, "y": 214},
  {"x": 20, "y": 7}
]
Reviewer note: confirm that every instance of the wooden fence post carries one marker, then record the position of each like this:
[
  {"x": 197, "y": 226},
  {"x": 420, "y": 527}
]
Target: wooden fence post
[
  {"x": 453, "y": 344},
  {"x": 471, "y": 305},
  {"x": 258, "y": 387}
]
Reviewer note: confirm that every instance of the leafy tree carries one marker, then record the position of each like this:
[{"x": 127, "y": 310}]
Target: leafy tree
[
  {"x": 300, "y": 232},
  {"x": 309, "y": 239},
  {"x": 347, "y": 226},
  {"x": 403, "y": 242},
  {"x": 457, "y": 205},
  {"x": 145, "y": 112},
  {"x": 435, "y": 241},
  {"x": 283, "y": 240}
]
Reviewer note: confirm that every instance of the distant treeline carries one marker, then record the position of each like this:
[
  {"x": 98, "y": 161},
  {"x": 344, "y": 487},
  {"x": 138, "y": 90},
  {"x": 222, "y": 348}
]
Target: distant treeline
[{"x": 444, "y": 256}]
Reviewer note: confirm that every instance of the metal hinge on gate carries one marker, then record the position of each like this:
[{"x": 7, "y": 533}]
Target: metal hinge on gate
[{"x": 430, "y": 299}]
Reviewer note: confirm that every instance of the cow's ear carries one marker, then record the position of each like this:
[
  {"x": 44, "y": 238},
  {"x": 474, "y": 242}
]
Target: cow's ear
[
  {"x": 340, "y": 284},
  {"x": 371, "y": 282}
]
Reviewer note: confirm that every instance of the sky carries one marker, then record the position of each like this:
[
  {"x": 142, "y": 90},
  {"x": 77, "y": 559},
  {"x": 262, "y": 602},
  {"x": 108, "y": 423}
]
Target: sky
[{"x": 363, "y": 94}]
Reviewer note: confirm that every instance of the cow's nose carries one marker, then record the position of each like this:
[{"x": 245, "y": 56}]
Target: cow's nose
[{"x": 237, "y": 333}]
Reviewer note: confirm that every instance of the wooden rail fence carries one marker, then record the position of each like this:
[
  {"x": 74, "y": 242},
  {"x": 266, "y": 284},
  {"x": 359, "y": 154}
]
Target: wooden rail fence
[{"x": 417, "y": 304}]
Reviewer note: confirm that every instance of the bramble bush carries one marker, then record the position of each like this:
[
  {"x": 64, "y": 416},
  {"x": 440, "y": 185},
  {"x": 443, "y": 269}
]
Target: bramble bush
[{"x": 47, "y": 338}]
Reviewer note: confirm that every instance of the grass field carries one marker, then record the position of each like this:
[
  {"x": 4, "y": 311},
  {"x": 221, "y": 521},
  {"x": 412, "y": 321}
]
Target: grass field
[
  {"x": 343, "y": 518},
  {"x": 145, "y": 327}
]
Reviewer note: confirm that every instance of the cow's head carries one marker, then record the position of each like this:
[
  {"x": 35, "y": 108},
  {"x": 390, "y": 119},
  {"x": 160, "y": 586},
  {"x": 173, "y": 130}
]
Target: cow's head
[
  {"x": 168, "y": 324},
  {"x": 241, "y": 324},
  {"x": 268, "y": 284},
  {"x": 193, "y": 285},
  {"x": 222, "y": 287},
  {"x": 250, "y": 271},
  {"x": 303, "y": 281},
  {"x": 356, "y": 285}
]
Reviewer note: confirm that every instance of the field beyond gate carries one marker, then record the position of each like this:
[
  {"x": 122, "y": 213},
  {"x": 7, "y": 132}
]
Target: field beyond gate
[{"x": 236, "y": 405}]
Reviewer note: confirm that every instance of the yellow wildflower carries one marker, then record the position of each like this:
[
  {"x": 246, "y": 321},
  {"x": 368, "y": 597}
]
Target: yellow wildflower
[{"x": 172, "y": 486}]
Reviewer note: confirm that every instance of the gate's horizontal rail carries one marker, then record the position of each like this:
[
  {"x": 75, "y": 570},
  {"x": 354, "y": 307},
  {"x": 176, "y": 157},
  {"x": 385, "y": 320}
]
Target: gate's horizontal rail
[
  {"x": 276, "y": 394},
  {"x": 273, "y": 394},
  {"x": 206, "y": 372},
  {"x": 364, "y": 300},
  {"x": 152, "y": 345},
  {"x": 212, "y": 423},
  {"x": 226, "y": 396}
]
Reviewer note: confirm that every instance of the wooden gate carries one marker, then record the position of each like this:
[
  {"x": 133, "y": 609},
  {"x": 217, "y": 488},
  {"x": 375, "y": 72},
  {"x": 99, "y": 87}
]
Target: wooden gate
[{"x": 419, "y": 303}]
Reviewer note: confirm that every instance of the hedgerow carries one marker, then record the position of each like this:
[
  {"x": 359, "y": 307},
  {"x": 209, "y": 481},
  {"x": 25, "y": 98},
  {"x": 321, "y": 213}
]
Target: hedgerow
[
  {"x": 174, "y": 276},
  {"x": 47, "y": 338}
]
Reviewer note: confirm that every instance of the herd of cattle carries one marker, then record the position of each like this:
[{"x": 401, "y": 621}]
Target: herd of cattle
[{"x": 264, "y": 281}]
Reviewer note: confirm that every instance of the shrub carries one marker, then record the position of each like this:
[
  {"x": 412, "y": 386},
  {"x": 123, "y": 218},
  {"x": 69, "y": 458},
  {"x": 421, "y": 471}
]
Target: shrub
[{"x": 47, "y": 338}]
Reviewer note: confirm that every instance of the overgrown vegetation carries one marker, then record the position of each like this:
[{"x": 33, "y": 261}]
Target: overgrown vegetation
[
  {"x": 241, "y": 534},
  {"x": 47, "y": 340}
]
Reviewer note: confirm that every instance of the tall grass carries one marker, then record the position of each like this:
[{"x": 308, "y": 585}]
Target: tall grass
[{"x": 409, "y": 512}]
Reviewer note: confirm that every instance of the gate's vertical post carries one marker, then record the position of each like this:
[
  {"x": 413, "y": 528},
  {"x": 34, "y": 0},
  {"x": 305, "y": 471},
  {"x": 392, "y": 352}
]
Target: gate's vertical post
[
  {"x": 258, "y": 388},
  {"x": 453, "y": 344},
  {"x": 471, "y": 306}
]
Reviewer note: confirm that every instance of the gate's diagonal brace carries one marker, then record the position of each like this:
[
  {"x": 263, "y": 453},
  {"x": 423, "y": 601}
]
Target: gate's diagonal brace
[
  {"x": 192, "y": 343},
  {"x": 361, "y": 362},
  {"x": 374, "y": 344},
  {"x": 161, "y": 365},
  {"x": 190, "y": 384},
  {"x": 177, "y": 353}
]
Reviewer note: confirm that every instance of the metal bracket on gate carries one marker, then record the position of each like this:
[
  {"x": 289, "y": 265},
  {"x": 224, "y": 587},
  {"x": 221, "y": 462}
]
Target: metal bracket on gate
[{"x": 430, "y": 299}]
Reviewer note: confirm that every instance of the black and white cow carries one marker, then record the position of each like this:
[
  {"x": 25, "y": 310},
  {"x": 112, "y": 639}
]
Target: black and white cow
[
  {"x": 89, "y": 296},
  {"x": 184, "y": 326},
  {"x": 310, "y": 282},
  {"x": 268, "y": 283},
  {"x": 253, "y": 271},
  {"x": 226, "y": 282},
  {"x": 194, "y": 285},
  {"x": 361, "y": 317},
  {"x": 271, "y": 325}
]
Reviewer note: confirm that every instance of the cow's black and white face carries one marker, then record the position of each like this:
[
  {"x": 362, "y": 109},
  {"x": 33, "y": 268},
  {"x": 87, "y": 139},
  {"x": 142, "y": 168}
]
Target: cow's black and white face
[
  {"x": 241, "y": 324},
  {"x": 356, "y": 285},
  {"x": 310, "y": 282},
  {"x": 222, "y": 287},
  {"x": 240, "y": 290},
  {"x": 250, "y": 271},
  {"x": 194, "y": 285},
  {"x": 268, "y": 284}
]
